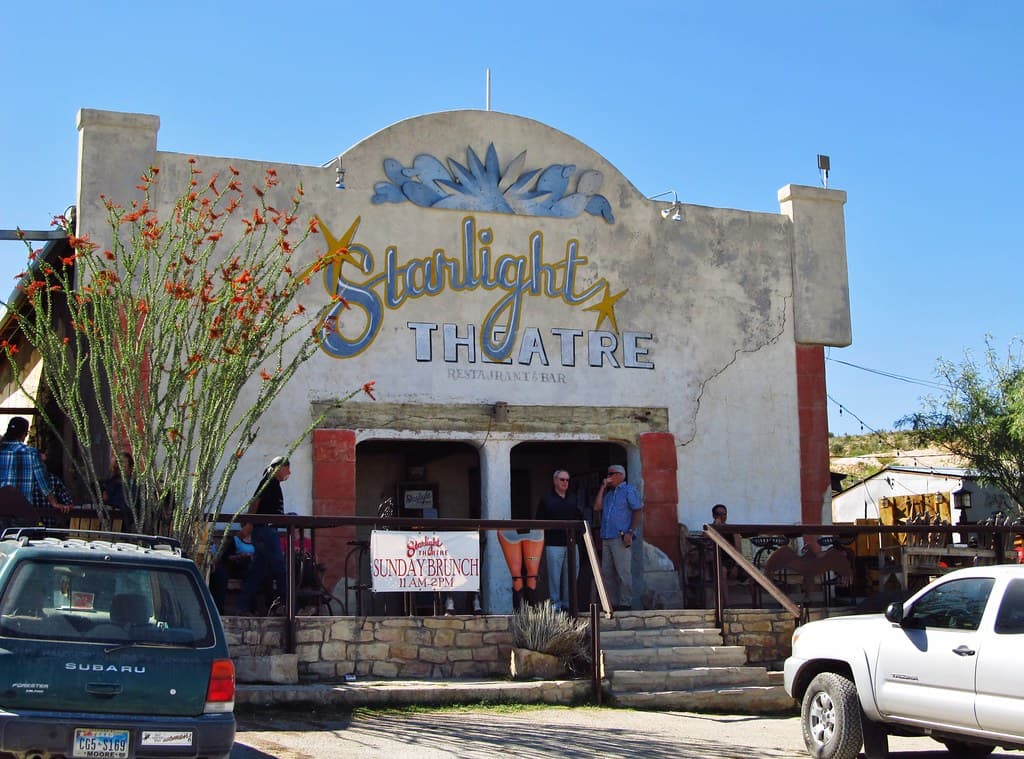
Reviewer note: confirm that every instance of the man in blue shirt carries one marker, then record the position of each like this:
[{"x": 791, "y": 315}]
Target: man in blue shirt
[{"x": 621, "y": 514}]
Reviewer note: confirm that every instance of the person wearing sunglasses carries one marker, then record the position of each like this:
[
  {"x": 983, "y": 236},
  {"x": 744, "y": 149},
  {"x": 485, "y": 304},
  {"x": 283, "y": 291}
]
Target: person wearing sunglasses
[
  {"x": 559, "y": 503},
  {"x": 621, "y": 514}
]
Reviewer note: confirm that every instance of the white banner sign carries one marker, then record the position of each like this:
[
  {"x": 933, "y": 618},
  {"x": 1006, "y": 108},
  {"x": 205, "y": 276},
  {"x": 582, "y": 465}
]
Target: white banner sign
[{"x": 413, "y": 561}]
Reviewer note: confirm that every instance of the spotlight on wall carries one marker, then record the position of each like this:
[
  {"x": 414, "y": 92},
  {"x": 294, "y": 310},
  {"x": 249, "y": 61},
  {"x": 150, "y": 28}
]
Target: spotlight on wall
[
  {"x": 499, "y": 411},
  {"x": 674, "y": 211},
  {"x": 339, "y": 174},
  {"x": 823, "y": 166}
]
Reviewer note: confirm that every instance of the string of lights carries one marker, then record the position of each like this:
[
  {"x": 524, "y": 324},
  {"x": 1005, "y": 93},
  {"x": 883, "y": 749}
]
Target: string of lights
[{"x": 843, "y": 410}]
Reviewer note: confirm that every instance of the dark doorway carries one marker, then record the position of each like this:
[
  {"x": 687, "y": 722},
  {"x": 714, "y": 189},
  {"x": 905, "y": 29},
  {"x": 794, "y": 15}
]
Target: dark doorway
[
  {"x": 532, "y": 466},
  {"x": 425, "y": 478},
  {"x": 422, "y": 478}
]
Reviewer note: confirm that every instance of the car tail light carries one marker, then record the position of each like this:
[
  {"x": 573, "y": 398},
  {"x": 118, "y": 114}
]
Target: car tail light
[{"x": 220, "y": 696}]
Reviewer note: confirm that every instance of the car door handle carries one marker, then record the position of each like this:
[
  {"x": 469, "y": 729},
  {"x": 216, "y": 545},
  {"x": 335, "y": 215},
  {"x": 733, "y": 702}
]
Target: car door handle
[
  {"x": 105, "y": 690},
  {"x": 964, "y": 651}
]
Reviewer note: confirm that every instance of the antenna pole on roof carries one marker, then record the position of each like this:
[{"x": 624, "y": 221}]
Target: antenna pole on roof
[{"x": 487, "y": 91}]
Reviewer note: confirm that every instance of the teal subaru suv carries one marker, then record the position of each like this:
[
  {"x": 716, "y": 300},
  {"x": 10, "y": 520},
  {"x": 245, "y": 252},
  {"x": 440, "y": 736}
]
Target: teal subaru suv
[{"x": 110, "y": 646}]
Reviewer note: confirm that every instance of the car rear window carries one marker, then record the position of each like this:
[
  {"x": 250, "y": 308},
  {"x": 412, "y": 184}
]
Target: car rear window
[{"x": 92, "y": 602}]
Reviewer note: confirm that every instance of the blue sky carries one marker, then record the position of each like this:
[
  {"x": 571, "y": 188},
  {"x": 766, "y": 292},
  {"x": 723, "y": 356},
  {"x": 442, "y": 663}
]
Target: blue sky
[{"x": 918, "y": 104}]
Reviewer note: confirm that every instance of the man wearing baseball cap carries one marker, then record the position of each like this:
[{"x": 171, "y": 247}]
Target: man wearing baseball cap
[{"x": 621, "y": 514}]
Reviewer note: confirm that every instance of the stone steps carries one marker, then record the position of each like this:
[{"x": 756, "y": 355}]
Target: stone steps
[
  {"x": 660, "y": 638},
  {"x": 694, "y": 678},
  {"x": 678, "y": 661},
  {"x": 769, "y": 699},
  {"x": 672, "y": 656}
]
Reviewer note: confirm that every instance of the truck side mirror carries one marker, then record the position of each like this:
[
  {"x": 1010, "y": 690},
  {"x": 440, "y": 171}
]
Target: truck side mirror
[{"x": 894, "y": 612}]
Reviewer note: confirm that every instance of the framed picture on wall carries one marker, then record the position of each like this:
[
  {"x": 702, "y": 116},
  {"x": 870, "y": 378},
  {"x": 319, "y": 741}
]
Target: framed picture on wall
[{"x": 416, "y": 497}]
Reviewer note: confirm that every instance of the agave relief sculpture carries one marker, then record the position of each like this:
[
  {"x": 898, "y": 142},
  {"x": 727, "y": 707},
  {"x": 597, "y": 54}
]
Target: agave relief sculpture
[{"x": 558, "y": 190}]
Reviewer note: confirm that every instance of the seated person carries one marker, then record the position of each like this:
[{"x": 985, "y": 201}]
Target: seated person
[
  {"x": 730, "y": 570},
  {"x": 120, "y": 492},
  {"x": 232, "y": 563}
]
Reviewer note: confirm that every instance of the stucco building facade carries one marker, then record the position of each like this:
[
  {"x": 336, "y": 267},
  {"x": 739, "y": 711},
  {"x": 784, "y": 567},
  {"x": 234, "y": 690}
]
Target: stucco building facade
[{"x": 522, "y": 307}]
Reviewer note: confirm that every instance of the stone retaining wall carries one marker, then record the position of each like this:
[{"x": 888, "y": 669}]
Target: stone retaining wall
[
  {"x": 766, "y": 634},
  {"x": 328, "y": 648}
]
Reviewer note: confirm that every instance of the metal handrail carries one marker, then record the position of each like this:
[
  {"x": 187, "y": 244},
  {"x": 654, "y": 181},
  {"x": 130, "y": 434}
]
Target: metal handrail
[
  {"x": 721, "y": 534},
  {"x": 602, "y": 593},
  {"x": 595, "y": 621},
  {"x": 722, "y": 544}
]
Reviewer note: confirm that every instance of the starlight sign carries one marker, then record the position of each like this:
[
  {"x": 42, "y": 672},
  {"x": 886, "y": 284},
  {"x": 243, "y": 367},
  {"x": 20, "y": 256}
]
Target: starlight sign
[
  {"x": 373, "y": 287},
  {"x": 514, "y": 277}
]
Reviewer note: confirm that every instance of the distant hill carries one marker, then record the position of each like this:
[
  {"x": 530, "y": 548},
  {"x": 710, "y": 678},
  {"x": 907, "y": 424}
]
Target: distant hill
[{"x": 860, "y": 456}]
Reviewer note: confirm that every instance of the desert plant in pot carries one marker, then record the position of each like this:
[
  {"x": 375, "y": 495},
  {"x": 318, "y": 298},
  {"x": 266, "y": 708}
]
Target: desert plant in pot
[{"x": 546, "y": 642}]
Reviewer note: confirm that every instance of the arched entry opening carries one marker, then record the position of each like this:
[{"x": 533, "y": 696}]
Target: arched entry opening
[
  {"x": 531, "y": 466},
  {"x": 448, "y": 470},
  {"x": 423, "y": 478}
]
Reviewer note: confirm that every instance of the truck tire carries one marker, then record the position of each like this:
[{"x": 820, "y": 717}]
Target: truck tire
[
  {"x": 830, "y": 718},
  {"x": 966, "y": 750}
]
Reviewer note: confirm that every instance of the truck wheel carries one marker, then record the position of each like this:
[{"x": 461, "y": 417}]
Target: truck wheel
[
  {"x": 965, "y": 750},
  {"x": 830, "y": 718}
]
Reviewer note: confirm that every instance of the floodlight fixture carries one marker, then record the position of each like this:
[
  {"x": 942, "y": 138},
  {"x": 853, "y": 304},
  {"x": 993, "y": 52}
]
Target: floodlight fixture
[
  {"x": 824, "y": 165},
  {"x": 675, "y": 210}
]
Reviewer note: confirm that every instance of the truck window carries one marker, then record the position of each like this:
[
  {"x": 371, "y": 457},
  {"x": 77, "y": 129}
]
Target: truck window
[
  {"x": 1010, "y": 620},
  {"x": 954, "y": 605}
]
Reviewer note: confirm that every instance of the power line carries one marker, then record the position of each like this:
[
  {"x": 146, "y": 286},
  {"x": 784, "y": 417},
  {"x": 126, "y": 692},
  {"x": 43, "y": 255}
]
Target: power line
[
  {"x": 896, "y": 453},
  {"x": 891, "y": 375},
  {"x": 881, "y": 373}
]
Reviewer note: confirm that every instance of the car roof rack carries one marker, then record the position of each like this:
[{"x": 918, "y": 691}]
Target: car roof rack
[{"x": 154, "y": 542}]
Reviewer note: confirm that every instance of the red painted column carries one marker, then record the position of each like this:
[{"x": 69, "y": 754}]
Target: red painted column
[
  {"x": 812, "y": 405},
  {"x": 661, "y": 492},
  {"x": 334, "y": 494}
]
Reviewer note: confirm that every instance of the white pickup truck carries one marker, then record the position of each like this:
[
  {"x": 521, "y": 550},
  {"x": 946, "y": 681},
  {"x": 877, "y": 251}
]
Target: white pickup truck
[{"x": 947, "y": 663}]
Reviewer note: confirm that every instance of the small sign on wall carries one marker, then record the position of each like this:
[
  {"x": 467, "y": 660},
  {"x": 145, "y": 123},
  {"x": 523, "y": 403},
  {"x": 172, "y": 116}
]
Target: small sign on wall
[
  {"x": 417, "y": 561},
  {"x": 417, "y": 499}
]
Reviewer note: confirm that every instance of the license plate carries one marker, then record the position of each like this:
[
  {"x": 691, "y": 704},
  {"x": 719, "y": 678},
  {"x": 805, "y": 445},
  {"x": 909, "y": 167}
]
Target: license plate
[{"x": 109, "y": 744}]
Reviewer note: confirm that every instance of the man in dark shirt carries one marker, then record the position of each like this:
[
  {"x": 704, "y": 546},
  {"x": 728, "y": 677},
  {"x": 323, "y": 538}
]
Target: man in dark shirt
[
  {"x": 268, "y": 560},
  {"x": 557, "y": 503}
]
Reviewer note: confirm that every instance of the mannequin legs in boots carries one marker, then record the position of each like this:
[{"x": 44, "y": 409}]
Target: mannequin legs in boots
[{"x": 523, "y": 552}]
